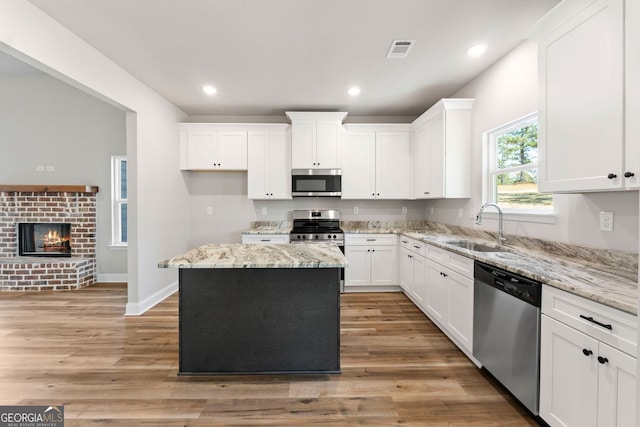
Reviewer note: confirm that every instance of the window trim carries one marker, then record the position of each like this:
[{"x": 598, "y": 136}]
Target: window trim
[
  {"x": 116, "y": 203},
  {"x": 545, "y": 216}
]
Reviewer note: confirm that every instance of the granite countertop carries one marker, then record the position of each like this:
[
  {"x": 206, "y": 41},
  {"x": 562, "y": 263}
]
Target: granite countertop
[
  {"x": 605, "y": 276},
  {"x": 324, "y": 255},
  {"x": 270, "y": 227}
]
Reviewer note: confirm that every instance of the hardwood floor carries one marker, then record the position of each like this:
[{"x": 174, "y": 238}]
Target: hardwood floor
[{"x": 77, "y": 349}]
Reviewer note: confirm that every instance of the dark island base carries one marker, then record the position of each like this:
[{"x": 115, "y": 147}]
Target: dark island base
[{"x": 259, "y": 321}]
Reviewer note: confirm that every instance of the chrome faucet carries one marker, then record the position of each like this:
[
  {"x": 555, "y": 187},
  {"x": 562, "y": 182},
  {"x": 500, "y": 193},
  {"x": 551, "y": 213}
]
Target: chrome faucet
[{"x": 479, "y": 220}]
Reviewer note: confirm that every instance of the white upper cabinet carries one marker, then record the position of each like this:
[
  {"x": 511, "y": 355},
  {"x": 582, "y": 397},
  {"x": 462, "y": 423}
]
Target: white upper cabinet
[
  {"x": 269, "y": 163},
  {"x": 316, "y": 140},
  {"x": 442, "y": 161},
  {"x": 377, "y": 162},
  {"x": 581, "y": 72},
  {"x": 212, "y": 147}
]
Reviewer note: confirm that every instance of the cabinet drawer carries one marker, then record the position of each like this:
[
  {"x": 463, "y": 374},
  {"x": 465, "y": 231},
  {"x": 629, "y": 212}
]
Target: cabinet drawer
[
  {"x": 413, "y": 245},
  {"x": 370, "y": 239},
  {"x": 461, "y": 264},
  {"x": 265, "y": 238},
  {"x": 621, "y": 328},
  {"x": 458, "y": 263},
  {"x": 439, "y": 255}
]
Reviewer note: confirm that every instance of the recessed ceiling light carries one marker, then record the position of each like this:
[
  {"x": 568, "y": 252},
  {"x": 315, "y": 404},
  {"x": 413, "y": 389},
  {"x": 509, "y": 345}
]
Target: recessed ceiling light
[
  {"x": 209, "y": 90},
  {"x": 354, "y": 91},
  {"x": 477, "y": 50}
]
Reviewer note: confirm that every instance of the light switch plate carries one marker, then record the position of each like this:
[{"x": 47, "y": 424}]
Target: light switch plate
[
  {"x": 356, "y": 211},
  {"x": 404, "y": 210}
]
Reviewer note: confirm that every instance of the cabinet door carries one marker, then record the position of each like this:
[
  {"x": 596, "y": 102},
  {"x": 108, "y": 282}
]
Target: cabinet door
[
  {"x": 279, "y": 158},
  {"x": 568, "y": 375},
  {"x": 460, "y": 309},
  {"x": 581, "y": 101},
  {"x": 421, "y": 163},
  {"x": 406, "y": 270},
  {"x": 202, "y": 150},
  {"x": 358, "y": 170},
  {"x": 393, "y": 165},
  {"x": 328, "y": 147},
  {"x": 384, "y": 271},
  {"x": 257, "y": 165},
  {"x": 436, "y": 305},
  {"x": 617, "y": 388},
  {"x": 303, "y": 136},
  {"x": 632, "y": 93},
  {"x": 358, "y": 272},
  {"x": 232, "y": 150},
  {"x": 436, "y": 147},
  {"x": 419, "y": 288}
]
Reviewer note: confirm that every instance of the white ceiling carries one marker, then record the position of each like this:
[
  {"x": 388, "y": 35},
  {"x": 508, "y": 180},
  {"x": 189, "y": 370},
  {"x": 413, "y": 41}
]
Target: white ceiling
[{"x": 269, "y": 56}]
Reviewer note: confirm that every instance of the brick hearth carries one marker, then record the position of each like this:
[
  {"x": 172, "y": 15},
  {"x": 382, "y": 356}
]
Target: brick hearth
[{"x": 51, "y": 273}]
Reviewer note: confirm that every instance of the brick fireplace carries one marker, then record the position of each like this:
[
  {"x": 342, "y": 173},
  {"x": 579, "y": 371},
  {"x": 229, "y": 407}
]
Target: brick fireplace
[{"x": 55, "y": 205}]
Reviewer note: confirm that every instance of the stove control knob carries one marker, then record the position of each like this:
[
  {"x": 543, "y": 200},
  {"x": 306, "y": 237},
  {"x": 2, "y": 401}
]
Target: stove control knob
[
  {"x": 304, "y": 237},
  {"x": 317, "y": 237},
  {"x": 334, "y": 236}
]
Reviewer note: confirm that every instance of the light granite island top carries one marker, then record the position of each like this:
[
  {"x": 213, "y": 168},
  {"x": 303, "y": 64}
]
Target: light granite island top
[{"x": 235, "y": 255}]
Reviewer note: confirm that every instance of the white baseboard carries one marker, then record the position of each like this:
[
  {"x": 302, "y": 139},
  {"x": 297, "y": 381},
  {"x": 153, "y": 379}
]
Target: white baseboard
[
  {"x": 136, "y": 309},
  {"x": 112, "y": 278}
]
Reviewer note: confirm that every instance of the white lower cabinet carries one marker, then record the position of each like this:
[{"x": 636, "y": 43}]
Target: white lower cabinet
[
  {"x": 583, "y": 380},
  {"x": 265, "y": 239},
  {"x": 449, "y": 284},
  {"x": 412, "y": 274},
  {"x": 373, "y": 261},
  {"x": 440, "y": 283}
]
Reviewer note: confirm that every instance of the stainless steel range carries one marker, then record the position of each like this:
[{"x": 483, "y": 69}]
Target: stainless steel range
[{"x": 317, "y": 226}]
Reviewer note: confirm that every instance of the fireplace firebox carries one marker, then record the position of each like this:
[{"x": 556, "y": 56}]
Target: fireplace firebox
[{"x": 44, "y": 239}]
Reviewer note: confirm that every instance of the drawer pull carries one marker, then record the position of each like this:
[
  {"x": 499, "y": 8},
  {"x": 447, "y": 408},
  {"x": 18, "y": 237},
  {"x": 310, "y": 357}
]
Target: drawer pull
[
  {"x": 602, "y": 360},
  {"x": 592, "y": 320},
  {"x": 587, "y": 352},
  {"x": 265, "y": 240},
  {"x": 404, "y": 241},
  {"x": 417, "y": 247},
  {"x": 371, "y": 240}
]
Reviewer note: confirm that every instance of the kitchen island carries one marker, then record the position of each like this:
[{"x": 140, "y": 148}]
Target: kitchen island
[{"x": 259, "y": 309}]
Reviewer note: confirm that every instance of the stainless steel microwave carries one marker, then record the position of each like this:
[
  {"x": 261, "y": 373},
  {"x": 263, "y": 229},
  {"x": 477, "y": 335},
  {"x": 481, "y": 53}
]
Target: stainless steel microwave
[{"x": 316, "y": 182}]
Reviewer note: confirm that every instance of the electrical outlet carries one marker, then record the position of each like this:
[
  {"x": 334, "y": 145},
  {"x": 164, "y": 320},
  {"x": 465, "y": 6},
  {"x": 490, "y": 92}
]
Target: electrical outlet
[
  {"x": 431, "y": 211},
  {"x": 356, "y": 211},
  {"x": 264, "y": 210},
  {"x": 404, "y": 210},
  {"x": 39, "y": 168},
  {"x": 50, "y": 168},
  {"x": 209, "y": 210},
  {"x": 606, "y": 221}
]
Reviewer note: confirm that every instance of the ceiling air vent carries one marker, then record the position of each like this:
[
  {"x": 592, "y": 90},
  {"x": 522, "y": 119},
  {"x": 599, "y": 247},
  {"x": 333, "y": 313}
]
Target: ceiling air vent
[{"x": 400, "y": 48}]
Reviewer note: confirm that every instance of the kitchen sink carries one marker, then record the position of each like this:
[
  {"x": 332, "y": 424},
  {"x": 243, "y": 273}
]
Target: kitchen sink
[{"x": 473, "y": 246}]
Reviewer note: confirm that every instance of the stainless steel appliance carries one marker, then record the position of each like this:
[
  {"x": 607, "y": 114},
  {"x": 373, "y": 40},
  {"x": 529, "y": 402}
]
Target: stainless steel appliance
[
  {"x": 506, "y": 330},
  {"x": 316, "y": 182},
  {"x": 318, "y": 226}
]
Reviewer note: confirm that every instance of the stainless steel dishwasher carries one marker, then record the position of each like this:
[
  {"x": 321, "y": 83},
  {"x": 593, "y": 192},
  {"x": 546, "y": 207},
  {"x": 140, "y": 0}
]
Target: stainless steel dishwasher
[{"x": 506, "y": 330}]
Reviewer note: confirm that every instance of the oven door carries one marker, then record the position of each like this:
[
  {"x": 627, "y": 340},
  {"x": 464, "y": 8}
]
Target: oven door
[{"x": 316, "y": 183}]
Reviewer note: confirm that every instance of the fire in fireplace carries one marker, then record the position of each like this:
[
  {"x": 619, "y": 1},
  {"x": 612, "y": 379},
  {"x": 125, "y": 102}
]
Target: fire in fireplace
[{"x": 44, "y": 239}]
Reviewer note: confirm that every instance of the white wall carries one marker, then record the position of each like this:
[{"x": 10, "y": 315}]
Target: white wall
[
  {"x": 44, "y": 121},
  {"x": 158, "y": 197},
  {"x": 226, "y": 193},
  {"x": 509, "y": 90}
]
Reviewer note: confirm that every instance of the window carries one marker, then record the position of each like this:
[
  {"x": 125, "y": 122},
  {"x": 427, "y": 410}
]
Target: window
[
  {"x": 511, "y": 177},
  {"x": 119, "y": 200}
]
